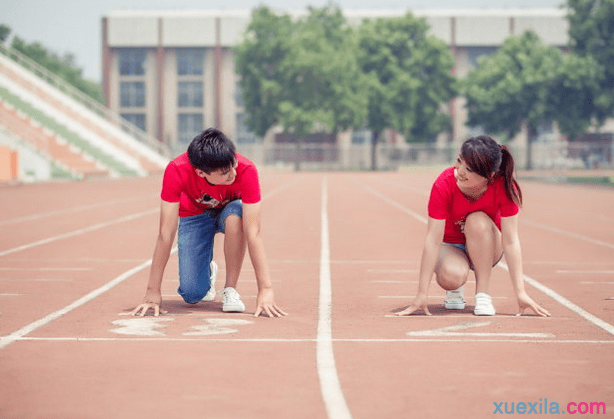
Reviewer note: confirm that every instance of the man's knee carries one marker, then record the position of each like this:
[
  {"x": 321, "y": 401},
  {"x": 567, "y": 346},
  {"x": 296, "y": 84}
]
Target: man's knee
[
  {"x": 233, "y": 224},
  {"x": 192, "y": 296}
]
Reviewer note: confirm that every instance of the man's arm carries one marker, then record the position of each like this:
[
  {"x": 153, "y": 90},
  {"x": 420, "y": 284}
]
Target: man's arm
[
  {"x": 169, "y": 219},
  {"x": 255, "y": 246}
]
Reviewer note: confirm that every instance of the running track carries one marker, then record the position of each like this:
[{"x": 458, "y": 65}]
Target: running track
[{"x": 343, "y": 249}]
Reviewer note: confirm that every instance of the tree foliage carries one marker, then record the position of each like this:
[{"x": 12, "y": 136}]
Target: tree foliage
[
  {"x": 5, "y": 31},
  {"x": 591, "y": 32},
  {"x": 301, "y": 75},
  {"x": 409, "y": 77},
  {"x": 527, "y": 82},
  {"x": 64, "y": 67}
]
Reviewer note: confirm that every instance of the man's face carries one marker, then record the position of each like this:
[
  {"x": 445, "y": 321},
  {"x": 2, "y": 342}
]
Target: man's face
[{"x": 221, "y": 176}]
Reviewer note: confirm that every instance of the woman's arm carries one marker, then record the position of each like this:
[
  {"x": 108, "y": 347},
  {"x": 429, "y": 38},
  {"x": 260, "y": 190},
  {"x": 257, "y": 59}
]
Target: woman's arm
[
  {"x": 513, "y": 256},
  {"x": 430, "y": 256}
]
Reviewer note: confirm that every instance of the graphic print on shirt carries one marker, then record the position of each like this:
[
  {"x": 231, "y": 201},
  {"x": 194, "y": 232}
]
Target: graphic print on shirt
[
  {"x": 208, "y": 200},
  {"x": 212, "y": 203}
]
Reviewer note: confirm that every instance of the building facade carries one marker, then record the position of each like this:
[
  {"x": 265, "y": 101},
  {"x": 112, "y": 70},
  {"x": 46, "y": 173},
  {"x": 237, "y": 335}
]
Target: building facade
[{"x": 172, "y": 73}]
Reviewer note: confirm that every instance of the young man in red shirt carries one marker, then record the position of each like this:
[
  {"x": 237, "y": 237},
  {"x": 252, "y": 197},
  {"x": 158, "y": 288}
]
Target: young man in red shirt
[{"x": 207, "y": 190}]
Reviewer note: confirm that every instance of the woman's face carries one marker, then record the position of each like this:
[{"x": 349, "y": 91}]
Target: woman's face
[{"x": 467, "y": 178}]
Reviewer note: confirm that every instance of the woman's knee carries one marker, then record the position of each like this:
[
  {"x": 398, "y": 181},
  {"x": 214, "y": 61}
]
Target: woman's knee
[
  {"x": 452, "y": 277},
  {"x": 478, "y": 223}
]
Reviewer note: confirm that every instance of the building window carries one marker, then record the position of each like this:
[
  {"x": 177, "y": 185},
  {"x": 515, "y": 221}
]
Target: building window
[
  {"x": 132, "y": 94},
  {"x": 190, "y": 124},
  {"x": 190, "y": 62},
  {"x": 137, "y": 119},
  {"x": 132, "y": 61},
  {"x": 244, "y": 136},
  {"x": 190, "y": 94}
]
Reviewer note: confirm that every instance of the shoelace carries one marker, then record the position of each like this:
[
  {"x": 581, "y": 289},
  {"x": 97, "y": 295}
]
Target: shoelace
[{"x": 231, "y": 296}]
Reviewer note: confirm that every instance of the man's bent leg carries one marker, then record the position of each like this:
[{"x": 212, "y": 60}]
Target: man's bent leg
[
  {"x": 231, "y": 224},
  {"x": 195, "y": 240}
]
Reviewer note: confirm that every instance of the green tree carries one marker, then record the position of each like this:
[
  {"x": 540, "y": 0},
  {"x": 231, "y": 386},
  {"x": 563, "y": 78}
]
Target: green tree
[
  {"x": 5, "y": 31},
  {"x": 527, "y": 83},
  {"x": 258, "y": 61},
  {"x": 591, "y": 32},
  {"x": 62, "y": 67},
  {"x": 302, "y": 76},
  {"x": 409, "y": 77}
]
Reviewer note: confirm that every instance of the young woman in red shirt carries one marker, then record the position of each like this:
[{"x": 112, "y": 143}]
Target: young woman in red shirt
[{"x": 473, "y": 220}]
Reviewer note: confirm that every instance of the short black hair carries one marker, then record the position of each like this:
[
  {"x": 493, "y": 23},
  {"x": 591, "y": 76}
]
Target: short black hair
[{"x": 211, "y": 150}]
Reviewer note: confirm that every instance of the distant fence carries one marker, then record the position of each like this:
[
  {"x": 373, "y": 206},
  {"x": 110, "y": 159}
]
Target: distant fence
[{"x": 556, "y": 155}]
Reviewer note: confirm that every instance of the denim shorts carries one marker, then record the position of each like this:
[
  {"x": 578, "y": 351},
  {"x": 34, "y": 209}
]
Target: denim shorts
[
  {"x": 463, "y": 248},
  {"x": 195, "y": 241}
]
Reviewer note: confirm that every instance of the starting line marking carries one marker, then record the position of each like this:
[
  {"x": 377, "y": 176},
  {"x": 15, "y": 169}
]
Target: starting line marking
[
  {"x": 454, "y": 331},
  {"x": 307, "y": 340},
  {"x": 146, "y": 326}
]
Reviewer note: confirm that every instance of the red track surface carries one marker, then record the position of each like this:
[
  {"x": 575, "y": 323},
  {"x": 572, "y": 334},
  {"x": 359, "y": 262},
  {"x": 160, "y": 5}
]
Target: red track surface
[{"x": 65, "y": 356}]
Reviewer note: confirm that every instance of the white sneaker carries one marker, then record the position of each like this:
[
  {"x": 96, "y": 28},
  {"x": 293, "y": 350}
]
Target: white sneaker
[
  {"x": 231, "y": 301},
  {"x": 483, "y": 305},
  {"x": 455, "y": 299},
  {"x": 210, "y": 296}
]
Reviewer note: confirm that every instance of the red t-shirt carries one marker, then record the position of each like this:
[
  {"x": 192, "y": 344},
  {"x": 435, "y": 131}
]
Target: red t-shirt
[
  {"x": 447, "y": 202},
  {"x": 195, "y": 195}
]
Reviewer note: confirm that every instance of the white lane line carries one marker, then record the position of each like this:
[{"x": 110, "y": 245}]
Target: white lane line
[
  {"x": 45, "y": 269},
  {"x": 565, "y": 302},
  {"x": 568, "y": 234},
  {"x": 332, "y": 393},
  {"x": 596, "y": 283},
  {"x": 298, "y": 340},
  {"x": 71, "y": 210},
  {"x": 403, "y": 271},
  {"x": 548, "y": 291},
  {"x": 19, "y": 334},
  {"x": 36, "y": 280},
  {"x": 395, "y": 204},
  {"x": 585, "y": 272},
  {"x": 78, "y": 232}
]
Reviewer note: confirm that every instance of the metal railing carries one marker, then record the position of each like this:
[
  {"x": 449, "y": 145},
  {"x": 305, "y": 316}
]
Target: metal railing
[
  {"x": 546, "y": 156},
  {"x": 84, "y": 100}
]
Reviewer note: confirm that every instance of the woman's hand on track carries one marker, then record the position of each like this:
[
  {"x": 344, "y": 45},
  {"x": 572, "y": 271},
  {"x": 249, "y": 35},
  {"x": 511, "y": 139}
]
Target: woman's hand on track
[
  {"x": 524, "y": 302},
  {"x": 266, "y": 304},
  {"x": 419, "y": 303}
]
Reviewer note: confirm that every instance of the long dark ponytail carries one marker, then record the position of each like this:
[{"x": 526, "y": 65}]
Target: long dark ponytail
[{"x": 485, "y": 156}]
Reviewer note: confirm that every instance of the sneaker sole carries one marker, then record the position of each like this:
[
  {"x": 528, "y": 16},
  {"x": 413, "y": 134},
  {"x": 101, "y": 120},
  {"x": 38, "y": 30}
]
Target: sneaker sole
[
  {"x": 233, "y": 309},
  {"x": 454, "y": 306},
  {"x": 484, "y": 312}
]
